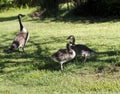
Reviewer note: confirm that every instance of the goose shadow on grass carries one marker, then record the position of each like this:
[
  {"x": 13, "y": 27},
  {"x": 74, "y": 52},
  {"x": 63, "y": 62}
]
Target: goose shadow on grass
[
  {"x": 51, "y": 65},
  {"x": 36, "y": 60},
  {"x": 43, "y": 57},
  {"x": 44, "y": 54},
  {"x": 3, "y": 19},
  {"x": 97, "y": 57},
  {"x": 100, "y": 64},
  {"x": 40, "y": 58}
]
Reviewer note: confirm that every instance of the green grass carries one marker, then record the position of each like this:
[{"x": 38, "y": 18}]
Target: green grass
[{"x": 33, "y": 72}]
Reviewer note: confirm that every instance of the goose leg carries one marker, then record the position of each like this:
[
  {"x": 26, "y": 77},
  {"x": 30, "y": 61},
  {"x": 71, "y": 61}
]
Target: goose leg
[
  {"x": 61, "y": 63},
  {"x": 85, "y": 58},
  {"x": 18, "y": 49},
  {"x": 23, "y": 49}
]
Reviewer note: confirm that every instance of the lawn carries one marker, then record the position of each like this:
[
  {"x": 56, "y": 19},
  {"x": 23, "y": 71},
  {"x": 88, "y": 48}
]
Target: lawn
[{"x": 33, "y": 72}]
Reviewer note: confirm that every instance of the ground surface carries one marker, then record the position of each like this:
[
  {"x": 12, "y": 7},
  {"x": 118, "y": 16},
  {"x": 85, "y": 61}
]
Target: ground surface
[{"x": 33, "y": 72}]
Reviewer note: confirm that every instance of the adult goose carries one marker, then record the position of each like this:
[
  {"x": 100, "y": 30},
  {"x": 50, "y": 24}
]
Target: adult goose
[
  {"x": 80, "y": 49},
  {"x": 21, "y": 38},
  {"x": 64, "y": 55}
]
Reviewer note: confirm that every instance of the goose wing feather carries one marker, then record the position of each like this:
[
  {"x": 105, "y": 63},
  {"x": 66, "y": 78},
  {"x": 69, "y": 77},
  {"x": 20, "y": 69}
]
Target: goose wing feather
[
  {"x": 21, "y": 38},
  {"x": 79, "y": 48},
  {"x": 62, "y": 55}
]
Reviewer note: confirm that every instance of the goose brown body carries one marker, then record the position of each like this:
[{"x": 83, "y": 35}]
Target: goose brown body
[
  {"x": 21, "y": 38},
  {"x": 64, "y": 55},
  {"x": 80, "y": 49}
]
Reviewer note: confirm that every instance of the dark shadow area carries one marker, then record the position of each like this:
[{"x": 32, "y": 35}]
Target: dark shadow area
[
  {"x": 78, "y": 19},
  {"x": 86, "y": 19},
  {"x": 70, "y": 17},
  {"x": 43, "y": 55},
  {"x": 109, "y": 53},
  {"x": 3, "y": 19},
  {"x": 97, "y": 57},
  {"x": 39, "y": 58}
]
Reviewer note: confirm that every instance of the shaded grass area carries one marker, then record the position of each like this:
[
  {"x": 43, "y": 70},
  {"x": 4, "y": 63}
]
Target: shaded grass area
[
  {"x": 33, "y": 72},
  {"x": 88, "y": 19}
]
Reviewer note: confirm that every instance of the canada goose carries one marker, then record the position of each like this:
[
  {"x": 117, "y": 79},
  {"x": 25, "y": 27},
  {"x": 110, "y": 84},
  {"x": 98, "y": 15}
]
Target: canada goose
[
  {"x": 64, "y": 55},
  {"x": 21, "y": 38},
  {"x": 81, "y": 50}
]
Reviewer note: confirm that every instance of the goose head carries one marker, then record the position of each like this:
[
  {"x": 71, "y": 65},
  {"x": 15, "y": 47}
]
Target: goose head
[
  {"x": 14, "y": 46},
  {"x": 20, "y": 15},
  {"x": 72, "y": 38}
]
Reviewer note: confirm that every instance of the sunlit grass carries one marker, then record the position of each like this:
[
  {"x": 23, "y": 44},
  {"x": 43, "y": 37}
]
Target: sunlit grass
[
  {"x": 15, "y": 11},
  {"x": 33, "y": 72}
]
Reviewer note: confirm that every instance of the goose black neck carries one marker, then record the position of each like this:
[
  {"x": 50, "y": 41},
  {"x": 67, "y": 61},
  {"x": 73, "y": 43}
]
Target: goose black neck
[
  {"x": 68, "y": 46},
  {"x": 21, "y": 26},
  {"x": 73, "y": 41}
]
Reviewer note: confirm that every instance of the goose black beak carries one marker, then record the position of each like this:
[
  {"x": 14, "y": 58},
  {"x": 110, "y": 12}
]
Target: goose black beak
[
  {"x": 22, "y": 15},
  {"x": 68, "y": 38}
]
